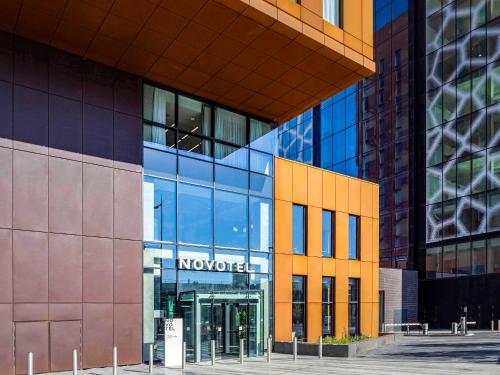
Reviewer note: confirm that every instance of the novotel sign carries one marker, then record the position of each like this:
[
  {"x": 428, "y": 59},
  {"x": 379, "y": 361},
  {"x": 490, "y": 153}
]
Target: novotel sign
[{"x": 213, "y": 265}]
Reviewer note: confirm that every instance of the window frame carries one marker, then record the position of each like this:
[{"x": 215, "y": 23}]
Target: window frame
[
  {"x": 340, "y": 10},
  {"x": 303, "y": 303},
  {"x": 330, "y": 304},
  {"x": 358, "y": 235},
  {"x": 332, "y": 233},
  {"x": 304, "y": 229},
  {"x": 354, "y": 303}
]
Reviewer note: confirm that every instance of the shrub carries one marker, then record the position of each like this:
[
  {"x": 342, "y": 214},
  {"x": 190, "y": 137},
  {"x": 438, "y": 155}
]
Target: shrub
[{"x": 344, "y": 340}]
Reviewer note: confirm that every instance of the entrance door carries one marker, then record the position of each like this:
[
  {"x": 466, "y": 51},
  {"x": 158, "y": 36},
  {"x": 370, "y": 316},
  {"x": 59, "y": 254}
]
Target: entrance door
[{"x": 236, "y": 326}]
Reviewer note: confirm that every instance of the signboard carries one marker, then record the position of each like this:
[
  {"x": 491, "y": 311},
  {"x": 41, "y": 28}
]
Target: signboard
[
  {"x": 173, "y": 342},
  {"x": 213, "y": 265}
]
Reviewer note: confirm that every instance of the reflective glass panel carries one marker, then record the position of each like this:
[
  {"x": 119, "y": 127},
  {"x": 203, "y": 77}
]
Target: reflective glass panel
[
  {"x": 195, "y": 214},
  {"x": 261, "y": 228},
  {"x": 231, "y": 220},
  {"x": 327, "y": 226},
  {"x": 159, "y": 200},
  {"x": 353, "y": 237},
  {"x": 298, "y": 229},
  {"x": 230, "y": 127}
]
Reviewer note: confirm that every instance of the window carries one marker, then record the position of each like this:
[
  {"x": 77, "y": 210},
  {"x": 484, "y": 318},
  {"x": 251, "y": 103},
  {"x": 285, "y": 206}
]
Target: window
[
  {"x": 397, "y": 58},
  {"x": 298, "y": 230},
  {"x": 328, "y": 307},
  {"x": 159, "y": 209},
  {"x": 353, "y": 307},
  {"x": 231, "y": 220},
  {"x": 230, "y": 127},
  {"x": 332, "y": 12},
  {"x": 328, "y": 233},
  {"x": 261, "y": 234},
  {"x": 195, "y": 214},
  {"x": 299, "y": 306},
  {"x": 353, "y": 237}
]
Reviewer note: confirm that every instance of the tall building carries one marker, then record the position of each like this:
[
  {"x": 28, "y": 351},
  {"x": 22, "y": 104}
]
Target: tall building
[
  {"x": 458, "y": 125},
  {"x": 365, "y": 131},
  {"x": 138, "y": 181}
]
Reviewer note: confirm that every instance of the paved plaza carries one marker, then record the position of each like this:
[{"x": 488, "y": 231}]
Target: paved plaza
[{"x": 436, "y": 354}]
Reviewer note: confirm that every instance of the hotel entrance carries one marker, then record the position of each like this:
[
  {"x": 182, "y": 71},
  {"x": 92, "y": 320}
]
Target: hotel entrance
[{"x": 225, "y": 317}]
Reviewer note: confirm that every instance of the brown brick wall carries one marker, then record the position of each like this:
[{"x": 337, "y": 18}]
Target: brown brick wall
[{"x": 70, "y": 209}]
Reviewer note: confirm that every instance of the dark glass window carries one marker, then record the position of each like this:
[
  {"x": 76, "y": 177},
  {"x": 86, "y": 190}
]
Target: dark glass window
[
  {"x": 353, "y": 237},
  {"x": 298, "y": 229},
  {"x": 353, "y": 314},
  {"x": 159, "y": 199},
  {"x": 494, "y": 255},
  {"x": 299, "y": 306},
  {"x": 328, "y": 233},
  {"x": 231, "y": 220},
  {"x": 463, "y": 259},
  {"x": 230, "y": 127},
  {"x": 194, "y": 117},
  {"x": 159, "y": 105},
  {"x": 478, "y": 257},
  {"x": 195, "y": 214},
  {"x": 328, "y": 306}
]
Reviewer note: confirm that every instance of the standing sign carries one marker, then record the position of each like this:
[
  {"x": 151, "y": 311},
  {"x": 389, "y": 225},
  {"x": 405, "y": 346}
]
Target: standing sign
[{"x": 173, "y": 342}]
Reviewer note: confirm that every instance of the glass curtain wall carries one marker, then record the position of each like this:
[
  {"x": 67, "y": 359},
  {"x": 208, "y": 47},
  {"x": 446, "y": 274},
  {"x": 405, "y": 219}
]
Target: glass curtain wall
[
  {"x": 462, "y": 132},
  {"x": 299, "y": 322},
  {"x": 328, "y": 306},
  {"x": 207, "y": 194}
]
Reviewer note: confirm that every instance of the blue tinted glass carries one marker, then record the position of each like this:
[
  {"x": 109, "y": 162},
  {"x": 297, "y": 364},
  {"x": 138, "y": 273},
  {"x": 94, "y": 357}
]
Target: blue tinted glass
[
  {"x": 382, "y": 18},
  {"x": 327, "y": 102},
  {"x": 261, "y": 163},
  {"x": 232, "y": 156},
  {"x": 231, "y": 220},
  {"x": 350, "y": 110},
  {"x": 261, "y": 185},
  {"x": 307, "y": 155},
  {"x": 231, "y": 179},
  {"x": 326, "y": 152},
  {"x": 398, "y": 8},
  {"x": 267, "y": 143},
  {"x": 350, "y": 142},
  {"x": 159, "y": 201},
  {"x": 352, "y": 168},
  {"x": 339, "y": 168},
  {"x": 339, "y": 116},
  {"x": 261, "y": 262},
  {"x": 160, "y": 163},
  {"x": 326, "y": 122},
  {"x": 353, "y": 236},
  {"x": 351, "y": 89},
  {"x": 189, "y": 252},
  {"x": 381, "y": 3},
  {"x": 339, "y": 148},
  {"x": 339, "y": 96},
  {"x": 211, "y": 281},
  {"x": 261, "y": 226},
  {"x": 195, "y": 214},
  {"x": 233, "y": 256},
  {"x": 326, "y": 230},
  {"x": 195, "y": 170},
  {"x": 159, "y": 255},
  {"x": 298, "y": 229}
]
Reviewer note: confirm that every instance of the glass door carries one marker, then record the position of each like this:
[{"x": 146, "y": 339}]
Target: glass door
[{"x": 188, "y": 313}]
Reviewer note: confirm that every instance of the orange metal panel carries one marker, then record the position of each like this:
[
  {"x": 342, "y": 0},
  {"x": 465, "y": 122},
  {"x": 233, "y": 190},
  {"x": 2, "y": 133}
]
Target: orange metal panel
[
  {"x": 315, "y": 187},
  {"x": 354, "y": 196},
  {"x": 283, "y": 178},
  {"x": 314, "y": 225},
  {"x": 341, "y": 193},
  {"x": 341, "y": 323},
  {"x": 366, "y": 200},
  {"x": 328, "y": 191},
  {"x": 328, "y": 267},
  {"x": 283, "y": 278},
  {"x": 314, "y": 273},
  {"x": 341, "y": 277},
  {"x": 341, "y": 233},
  {"x": 366, "y": 231},
  {"x": 282, "y": 227},
  {"x": 352, "y": 19},
  {"x": 354, "y": 269},
  {"x": 368, "y": 22},
  {"x": 299, "y": 186},
  {"x": 283, "y": 321},
  {"x": 299, "y": 265},
  {"x": 375, "y": 327},
  {"x": 365, "y": 317},
  {"x": 314, "y": 321},
  {"x": 366, "y": 282}
]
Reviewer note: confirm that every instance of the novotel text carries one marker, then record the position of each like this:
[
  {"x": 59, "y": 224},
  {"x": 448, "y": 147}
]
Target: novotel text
[{"x": 213, "y": 265}]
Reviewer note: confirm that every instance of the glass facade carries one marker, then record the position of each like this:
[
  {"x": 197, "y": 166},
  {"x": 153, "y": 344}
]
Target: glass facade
[
  {"x": 299, "y": 222},
  {"x": 364, "y": 131},
  {"x": 207, "y": 195},
  {"x": 353, "y": 307},
  {"x": 353, "y": 234},
  {"x": 328, "y": 233},
  {"x": 328, "y": 306},
  {"x": 299, "y": 288},
  {"x": 462, "y": 132}
]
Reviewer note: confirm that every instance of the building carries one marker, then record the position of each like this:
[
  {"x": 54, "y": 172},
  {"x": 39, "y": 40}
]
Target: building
[
  {"x": 137, "y": 171},
  {"x": 458, "y": 126}
]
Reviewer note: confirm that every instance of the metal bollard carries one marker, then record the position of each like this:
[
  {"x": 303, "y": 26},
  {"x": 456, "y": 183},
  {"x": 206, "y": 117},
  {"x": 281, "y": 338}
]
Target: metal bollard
[
  {"x": 492, "y": 325},
  {"x": 151, "y": 358},
  {"x": 212, "y": 351},
  {"x": 30, "y": 363},
  {"x": 269, "y": 348},
  {"x": 425, "y": 329},
  {"x": 383, "y": 327},
  {"x": 320, "y": 347},
  {"x": 295, "y": 348},
  {"x": 454, "y": 328},
  {"x": 115, "y": 360},
  {"x": 183, "y": 355},
  {"x": 242, "y": 349},
  {"x": 498, "y": 325},
  {"x": 463, "y": 326},
  {"x": 408, "y": 330},
  {"x": 75, "y": 362}
]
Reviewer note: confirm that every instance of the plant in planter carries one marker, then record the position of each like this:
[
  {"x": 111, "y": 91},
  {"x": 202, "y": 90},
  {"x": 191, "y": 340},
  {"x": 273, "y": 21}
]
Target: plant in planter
[{"x": 344, "y": 340}]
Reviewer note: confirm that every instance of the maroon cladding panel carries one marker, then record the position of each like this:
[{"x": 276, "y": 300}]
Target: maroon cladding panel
[
  {"x": 31, "y": 64},
  {"x": 65, "y": 311},
  {"x": 65, "y": 196},
  {"x": 6, "y": 340},
  {"x": 97, "y": 335},
  {"x": 32, "y": 337},
  {"x": 64, "y": 338},
  {"x": 128, "y": 271},
  {"x": 30, "y": 251},
  {"x": 65, "y": 75},
  {"x": 5, "y": 187},
  {"x": 128, "y": 95},
  {"x": 5, "y": 266},
  {"x": 97, "y": 269},
  {"x": 97, "y": 201},
  {"x": 30, "y": 189},
  {"x": 65, "y": 127},
  {"x": 29, "y": 312},
  {"x": 65, "y": 264},
  {"x": 128, "y": 136},
  {"x": 98, "y": 135},
  {"x": 128, "y": 212},
  {"x": 128, "y": 332}
]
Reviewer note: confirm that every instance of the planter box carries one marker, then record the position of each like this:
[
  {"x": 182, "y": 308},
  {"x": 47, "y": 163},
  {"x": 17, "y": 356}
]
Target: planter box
[{"x": 337, "y": 350}]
